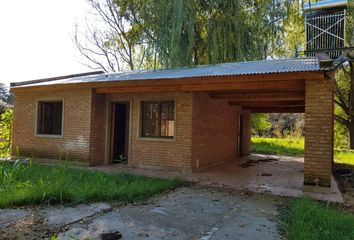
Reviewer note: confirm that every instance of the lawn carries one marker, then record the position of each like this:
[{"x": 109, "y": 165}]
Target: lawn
[
  {"x": 310, "y": 220},
  {"x": 278, "y": 146},
  {"x": 22, "y": 184},
  {"x": 294, "y": 147}
]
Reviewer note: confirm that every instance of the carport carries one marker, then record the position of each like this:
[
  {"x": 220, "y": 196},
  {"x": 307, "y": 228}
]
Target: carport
[
  {"x": 296, "y": 92},
  {"x": 281, "y": 86}
]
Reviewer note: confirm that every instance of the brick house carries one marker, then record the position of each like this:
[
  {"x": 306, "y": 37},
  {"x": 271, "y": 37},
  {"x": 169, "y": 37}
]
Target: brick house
[{"x": 184, "y": 119}]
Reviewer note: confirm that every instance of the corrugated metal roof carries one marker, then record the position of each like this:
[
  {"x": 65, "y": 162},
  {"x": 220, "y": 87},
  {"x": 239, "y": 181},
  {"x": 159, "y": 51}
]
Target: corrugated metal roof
[
  {"x": 226, "y": 69},
  {"x": 311, "y": 6}
]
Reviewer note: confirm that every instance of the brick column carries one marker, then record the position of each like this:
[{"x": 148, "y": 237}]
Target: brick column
[
  {"x": 319, "y": 107},
  {"x": 246, "y": 141},
  {"x": 98, "y": 130}
]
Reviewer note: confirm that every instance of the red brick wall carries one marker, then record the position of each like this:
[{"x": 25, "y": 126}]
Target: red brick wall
[
  {"x": 213, "y": 124},
  {"x": 98, "y": 129},
  {"x": 214, "y": 131},
  {"x": 318, "y": 132},
  {"x": 247, "y": 134},
  {"x": 163, "y": 154},
  {"x": 73, "y": 145}
]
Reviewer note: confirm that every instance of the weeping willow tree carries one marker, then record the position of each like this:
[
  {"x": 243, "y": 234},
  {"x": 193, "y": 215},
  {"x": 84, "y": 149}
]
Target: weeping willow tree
[
  {"x": 190, "y": 32},
  {"x": 173, "y": 28},
  {"x": 175, "y": 33},
  {"x": 227, "y": 39}
]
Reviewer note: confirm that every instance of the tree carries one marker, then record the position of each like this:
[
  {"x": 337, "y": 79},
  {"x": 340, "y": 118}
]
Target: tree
[
  {"x": 5, "y": 132},
  {"x": 260, "y": 123},
  {"x": 115, "y": 44},
  {"x": 293, "y": 33},
  {"x": 207, "y": 32},
  {"x": 344, "y": 88},
  {"x": 344, "y": 99},
  {"x": 4, "y": 98},
  {"x": 285, "y": 124},
  {"x": 153, "y": 34}
]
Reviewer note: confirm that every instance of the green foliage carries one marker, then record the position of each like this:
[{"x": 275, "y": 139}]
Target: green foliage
[
  {"x": 278, "y": 146},
  {"x": 195, "y": 32},
  {"x": 174, "y": 33},
  {"x": 26, "y": 183},
  {"x": 344, "y": 156},
  {"x": 5, "y": 98},
  {"x": 293, "y": 31},
  {"x": 344, "y": 96},
  {"x": 287, "y": 125},
  {"x": 5, "y": 132},
  {"x": 4, "y": 94},
  {"x": 342, "y": 108},
  {"x": 340, "y": 133},
  {"x": 310, "y": 220},
  {"x": 279, "y": 125},
  {"x": 294, "y": 147},
  {"x": 8, "y": 176},
  {"x": 350, "y": 25},
  {"x": 260, "y": 123}
]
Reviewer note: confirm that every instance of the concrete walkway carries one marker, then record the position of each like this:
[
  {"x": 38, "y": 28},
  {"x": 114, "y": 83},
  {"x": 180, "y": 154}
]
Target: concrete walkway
[{"x": 187, "y": 213}]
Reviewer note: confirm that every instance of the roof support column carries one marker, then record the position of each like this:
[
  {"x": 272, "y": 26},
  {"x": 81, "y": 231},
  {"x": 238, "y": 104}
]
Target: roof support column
[
  {"x": 246, "y": 133},
  {"x": 319, "y": 110}
]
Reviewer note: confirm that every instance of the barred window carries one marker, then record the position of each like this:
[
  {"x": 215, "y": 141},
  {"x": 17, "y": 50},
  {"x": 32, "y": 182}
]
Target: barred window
[
  {"x": 157, "y": 119},
  {"x": 49, "y": 117}
]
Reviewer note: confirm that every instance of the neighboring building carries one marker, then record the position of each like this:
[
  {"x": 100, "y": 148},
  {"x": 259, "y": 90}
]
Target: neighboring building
[{"x": 183, "y": 119}]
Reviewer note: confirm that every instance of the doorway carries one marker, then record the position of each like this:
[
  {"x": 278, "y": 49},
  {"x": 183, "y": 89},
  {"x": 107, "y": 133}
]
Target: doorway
[
  {"x": 240, "y": 135},
  {"x": 120, "y": 132}
]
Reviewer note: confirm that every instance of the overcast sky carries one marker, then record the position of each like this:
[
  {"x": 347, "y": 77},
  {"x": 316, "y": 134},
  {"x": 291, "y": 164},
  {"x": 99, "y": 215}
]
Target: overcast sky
[{"x": 35, "y": 38}]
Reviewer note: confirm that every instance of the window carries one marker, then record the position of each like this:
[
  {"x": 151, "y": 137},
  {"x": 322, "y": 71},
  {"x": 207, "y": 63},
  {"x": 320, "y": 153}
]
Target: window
[
  {"x": 49, "y": 118},
  {"x": 157, "y": 119}
]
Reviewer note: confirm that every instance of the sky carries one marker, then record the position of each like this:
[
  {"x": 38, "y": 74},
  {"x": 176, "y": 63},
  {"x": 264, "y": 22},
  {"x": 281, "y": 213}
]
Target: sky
[{"x": 36, "y": 39}]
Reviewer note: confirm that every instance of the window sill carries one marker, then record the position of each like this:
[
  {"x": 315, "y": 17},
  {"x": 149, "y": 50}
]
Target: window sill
[
  {"x": 48, "y": 136},
  {"x": 152, "y": 139}
]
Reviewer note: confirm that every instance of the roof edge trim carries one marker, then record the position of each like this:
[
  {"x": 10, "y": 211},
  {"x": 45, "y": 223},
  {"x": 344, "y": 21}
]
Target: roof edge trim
[{"x": 17, "y": 84}]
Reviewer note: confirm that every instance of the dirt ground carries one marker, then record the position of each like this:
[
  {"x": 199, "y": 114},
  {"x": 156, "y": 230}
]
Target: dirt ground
[
  {"x": 344, "y": 175},
  {"x": 186, "y": 213}
]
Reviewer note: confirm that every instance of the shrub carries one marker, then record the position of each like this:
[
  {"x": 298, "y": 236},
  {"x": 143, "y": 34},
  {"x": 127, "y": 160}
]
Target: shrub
[{"x": 5, "y": 132}]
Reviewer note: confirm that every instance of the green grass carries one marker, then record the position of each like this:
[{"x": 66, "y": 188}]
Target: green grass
[
  {"x": 343, "y": 156},
  {"x": 294, "y": 147},
  {"x": 23, "y": 184},
  {"x": 278, "y": 146},
  {"x": 309, "y": 220}
]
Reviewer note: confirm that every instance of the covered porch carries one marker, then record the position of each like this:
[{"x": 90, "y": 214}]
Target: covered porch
[
  {"x": 289, "y": 86},
  {"x": 206, "y": 102},
  {"x": 276, "y": 175}
]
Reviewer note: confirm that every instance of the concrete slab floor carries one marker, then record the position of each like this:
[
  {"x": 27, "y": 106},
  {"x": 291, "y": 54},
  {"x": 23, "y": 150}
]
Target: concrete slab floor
[
  {"x": 186, "y": 213},
  {"x": 276, "y": 175}
]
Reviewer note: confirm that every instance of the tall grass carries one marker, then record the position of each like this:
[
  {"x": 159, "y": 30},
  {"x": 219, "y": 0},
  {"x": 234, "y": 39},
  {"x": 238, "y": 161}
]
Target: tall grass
[
  {"x": 278, "y": 146},
  {"x": 22, "y": 184},
  {"x": 294, "y": 147},
  {"x": 344, "y": 156},
  {"x": 309, "y": 220}
]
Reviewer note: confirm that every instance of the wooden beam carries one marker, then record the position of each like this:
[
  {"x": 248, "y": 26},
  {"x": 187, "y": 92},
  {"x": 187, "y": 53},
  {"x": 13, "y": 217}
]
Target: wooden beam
[
  {"x": 138, "y": 89},
  {"x": 277, "y": 109},
  {"x": 267, "y": 103},
  {"x": 261, "y": 96},
  {"x": 298, "y": 85},
  {"x": 188, "y": 82}
]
